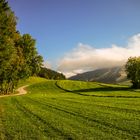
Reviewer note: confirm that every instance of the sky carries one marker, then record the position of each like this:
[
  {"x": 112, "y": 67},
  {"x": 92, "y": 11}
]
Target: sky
[{"x": 75, "y": 36}]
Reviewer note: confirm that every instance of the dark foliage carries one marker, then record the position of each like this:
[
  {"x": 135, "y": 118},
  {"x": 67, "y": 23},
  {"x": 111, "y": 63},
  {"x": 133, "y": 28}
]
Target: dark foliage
[
  {"x": 133, "y": 71},
  {"x": 18, "y": 56},
  {"x": 50, "y": 74}
]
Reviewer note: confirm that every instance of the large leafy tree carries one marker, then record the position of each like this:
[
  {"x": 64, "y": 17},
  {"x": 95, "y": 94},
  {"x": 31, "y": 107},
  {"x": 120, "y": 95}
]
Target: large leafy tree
[
  {"x": 133, "y": 71},
  {"x": 7, "y": 49},
  {"x": 18, "y": 56},
  {"x": 30, "y": 60}
]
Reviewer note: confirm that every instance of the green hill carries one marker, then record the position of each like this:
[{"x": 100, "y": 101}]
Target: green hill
[{"x": 71, "y": 110}]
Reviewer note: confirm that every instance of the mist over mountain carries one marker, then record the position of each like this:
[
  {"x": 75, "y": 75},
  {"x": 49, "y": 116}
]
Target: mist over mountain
[
  {"x": 85, "y": 57},
  {"x": 105, "y": 75}
]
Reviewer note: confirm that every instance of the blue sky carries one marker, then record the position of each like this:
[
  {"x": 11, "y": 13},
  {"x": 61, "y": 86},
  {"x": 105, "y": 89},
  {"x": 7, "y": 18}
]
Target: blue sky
[{"x": 60, "y": 25}]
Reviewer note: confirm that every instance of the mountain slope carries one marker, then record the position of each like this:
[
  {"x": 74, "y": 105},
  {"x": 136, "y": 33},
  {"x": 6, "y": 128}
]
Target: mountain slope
[{"x": 106, "y": 75}]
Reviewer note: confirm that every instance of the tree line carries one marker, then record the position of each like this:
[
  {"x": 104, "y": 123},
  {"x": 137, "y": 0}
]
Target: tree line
[
  {"x": 19, "y": 58},
  {"x": 50, "y": 74}
]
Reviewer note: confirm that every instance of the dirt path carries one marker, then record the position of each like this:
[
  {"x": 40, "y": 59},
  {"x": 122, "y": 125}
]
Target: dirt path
[{"x": 21, "y": 91}]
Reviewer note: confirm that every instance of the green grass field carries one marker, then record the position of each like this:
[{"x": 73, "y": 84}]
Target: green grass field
[{"x": 71, "y": 110}]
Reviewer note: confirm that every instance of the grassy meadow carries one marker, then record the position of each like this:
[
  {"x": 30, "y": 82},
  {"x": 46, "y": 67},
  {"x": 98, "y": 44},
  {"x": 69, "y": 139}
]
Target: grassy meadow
[{"x": 71, "y": 110}]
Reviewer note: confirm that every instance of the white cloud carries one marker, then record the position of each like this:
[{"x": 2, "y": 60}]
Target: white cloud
[{"x": 84, "y": 57}]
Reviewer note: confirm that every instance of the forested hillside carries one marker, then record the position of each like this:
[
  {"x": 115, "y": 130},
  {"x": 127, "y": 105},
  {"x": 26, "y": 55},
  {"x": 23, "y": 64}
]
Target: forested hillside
[{"x": 50, "y": 74}]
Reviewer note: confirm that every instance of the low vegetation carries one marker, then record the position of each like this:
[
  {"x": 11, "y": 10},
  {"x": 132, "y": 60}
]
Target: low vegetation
[{"x": 71, "y": 110}]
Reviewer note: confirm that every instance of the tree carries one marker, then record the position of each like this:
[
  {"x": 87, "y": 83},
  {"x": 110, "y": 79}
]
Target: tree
[
  {"x": 133, "y": 71},
  {"x": 7, "y": 49},
  {"x": 19, "y": 58},
  {"x": 31, "y": 61}
]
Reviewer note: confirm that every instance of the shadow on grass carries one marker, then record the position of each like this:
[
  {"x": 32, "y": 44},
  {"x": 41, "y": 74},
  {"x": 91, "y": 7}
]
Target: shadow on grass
[{"x": 104, "y": 88}]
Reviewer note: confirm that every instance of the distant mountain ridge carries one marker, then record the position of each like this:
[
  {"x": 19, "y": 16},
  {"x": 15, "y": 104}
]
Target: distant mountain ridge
[{"x": 105, "y": 75}]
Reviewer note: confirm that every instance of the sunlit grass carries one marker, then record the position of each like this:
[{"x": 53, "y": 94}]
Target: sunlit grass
[{"x": 71, "y": 110}]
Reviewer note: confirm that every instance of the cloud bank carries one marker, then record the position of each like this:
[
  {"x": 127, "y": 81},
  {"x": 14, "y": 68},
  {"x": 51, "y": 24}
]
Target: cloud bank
[{"x": 85, "y": 58}]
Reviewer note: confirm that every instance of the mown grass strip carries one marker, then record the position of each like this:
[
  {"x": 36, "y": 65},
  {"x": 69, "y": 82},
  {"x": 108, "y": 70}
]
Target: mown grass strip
[{"x": 86, "y": 118}]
